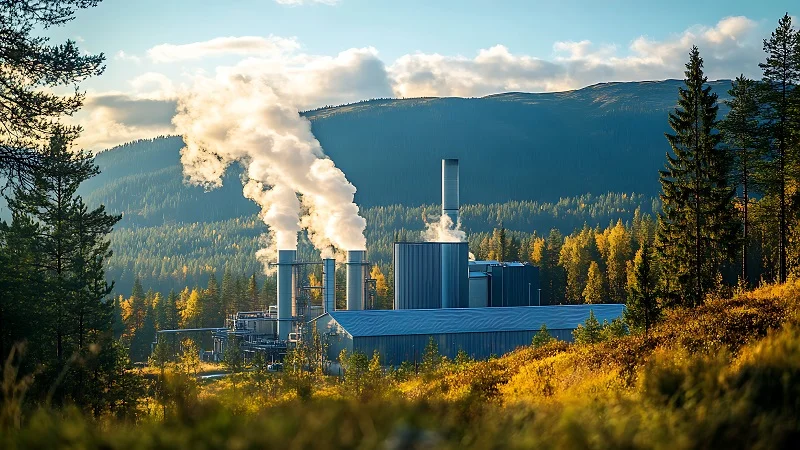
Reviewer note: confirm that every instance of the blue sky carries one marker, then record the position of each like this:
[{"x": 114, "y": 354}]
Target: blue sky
[{"x": 356, "y": 49}]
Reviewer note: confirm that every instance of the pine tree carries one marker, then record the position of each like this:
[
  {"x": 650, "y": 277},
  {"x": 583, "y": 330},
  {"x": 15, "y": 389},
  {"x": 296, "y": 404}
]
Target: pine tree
[
  {"x": 542, "y": 338},
  {"x": 211, "y": 314},
  {"x": 781, "y": 75},
  {"x": 642, "y": 306},
  {"x": 697, "y": 229},
  {"x": 252, "y": 293},
  {"x": 741, "y": 131},
  {"x": 228, "y": 294},
  {"x": 33, "y": 73}
]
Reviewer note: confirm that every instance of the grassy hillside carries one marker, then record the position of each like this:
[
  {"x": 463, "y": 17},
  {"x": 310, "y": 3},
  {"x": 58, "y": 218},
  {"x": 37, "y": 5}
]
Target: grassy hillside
[{"x": 724, "y": 375}]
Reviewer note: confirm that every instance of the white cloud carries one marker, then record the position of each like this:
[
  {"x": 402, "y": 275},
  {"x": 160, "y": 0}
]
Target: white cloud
[
  {"x": 122, "y": 56},
  {"x": 730, "y": 47},
  {"x": 221, "y": 46}
]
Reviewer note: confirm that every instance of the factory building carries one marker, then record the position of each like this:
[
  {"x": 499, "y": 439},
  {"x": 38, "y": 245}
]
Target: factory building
[
  {"x": 401, "y": 335},
  {"x": 481, "y": 307}
]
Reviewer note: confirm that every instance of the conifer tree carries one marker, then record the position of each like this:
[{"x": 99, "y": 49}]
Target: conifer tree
[
  {"x": 781, "y": 73},
  {"x": 697, "y": 229},
  {"x": 741, "y": 130},
  {"x": 252, "y": 293},
  {"x": 642, "y": 306},
  {"x": 33, "y": 71}
]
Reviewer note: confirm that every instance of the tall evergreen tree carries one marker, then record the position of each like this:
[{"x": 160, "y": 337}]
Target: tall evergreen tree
[
  {"x": 781, "y": 74},
  {"x": 697, "y": 227},
  {"x": 741, "y": 132}
]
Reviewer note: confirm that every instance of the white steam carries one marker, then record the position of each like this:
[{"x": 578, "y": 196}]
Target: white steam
[
  {"x": 442, "y": 230},
  {"x": 239, "y": 118}
]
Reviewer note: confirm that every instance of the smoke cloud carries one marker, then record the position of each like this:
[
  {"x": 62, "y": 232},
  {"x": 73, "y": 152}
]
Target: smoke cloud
[
  {"x": 236, "y": 118},
  {"x": 442, "y": 230}
]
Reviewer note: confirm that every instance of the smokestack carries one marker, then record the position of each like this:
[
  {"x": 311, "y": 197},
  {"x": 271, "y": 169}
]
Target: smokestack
[
  {"x": 328, "y": 285},
  {"x": 450, "y": 202},
  {"x": 450, "y": 205},
  {"x": 355, "y": 279},
  {"x": 285, "y": 291}
]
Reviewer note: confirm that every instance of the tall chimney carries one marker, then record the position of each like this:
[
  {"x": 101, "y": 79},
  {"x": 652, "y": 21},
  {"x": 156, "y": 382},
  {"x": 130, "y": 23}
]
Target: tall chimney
[
  {"x": 355, "y": 279},
  {"x": 450, "y": 202},
  {"x": 328, "y": 285},
  {"x": 286, "y": 289}
]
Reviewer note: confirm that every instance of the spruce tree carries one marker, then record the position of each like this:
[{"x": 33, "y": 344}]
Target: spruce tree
[
  {"x": 642, "y": 307},
  {"x": 741, "y": 130},
  {"x": 781, "y": 73},
  {"x": 697, "y": 229}
]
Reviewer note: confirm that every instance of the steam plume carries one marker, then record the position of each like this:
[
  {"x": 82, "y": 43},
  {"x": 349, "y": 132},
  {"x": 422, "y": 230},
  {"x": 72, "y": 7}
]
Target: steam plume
[
  {"x": 240, "y": 118},
  {"x": 442, "y": 230}
]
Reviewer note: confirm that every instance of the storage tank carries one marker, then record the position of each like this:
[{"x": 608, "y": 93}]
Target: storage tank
[
  {"x": 356, "y": 278},
  {"x": 286, "y": 259}
]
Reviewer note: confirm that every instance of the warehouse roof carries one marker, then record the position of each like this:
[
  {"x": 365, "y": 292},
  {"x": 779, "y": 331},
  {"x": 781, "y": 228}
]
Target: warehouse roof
[{"x": 470, "y": 320}]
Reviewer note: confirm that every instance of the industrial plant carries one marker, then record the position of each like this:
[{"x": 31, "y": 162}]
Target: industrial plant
[{"x": 482, "y": 308}]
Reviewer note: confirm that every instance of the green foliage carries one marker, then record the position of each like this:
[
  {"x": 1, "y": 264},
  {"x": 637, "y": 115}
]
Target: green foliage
[
  {"x": 542, "y": 338},
  {"x": 34, "y": 71},
  {"x": 643, "y": 308},
  {"x": 697, "y": 229},
  {"x": 590, "y": 332}
]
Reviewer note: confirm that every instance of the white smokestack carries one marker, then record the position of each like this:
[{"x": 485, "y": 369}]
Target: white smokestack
[
  {"x": 328, "y": 285},
  {"x": 240, "y": 118},
  {"x": 355, "y": 279},
  {"x": 286, "y": 259}
]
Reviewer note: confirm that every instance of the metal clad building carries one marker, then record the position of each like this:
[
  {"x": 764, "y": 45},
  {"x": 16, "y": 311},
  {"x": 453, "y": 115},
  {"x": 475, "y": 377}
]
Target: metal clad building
[
  {"x": 401, "y": 335},
  {"x": 514, "y": 284},
  {"x": 418, "y": 275}
]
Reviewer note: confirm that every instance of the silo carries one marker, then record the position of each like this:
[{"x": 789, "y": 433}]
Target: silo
[
  {"x": 328, "y": 285},
  {"x": 450, "y": 189},
  {"x": 286, "y": 259},
  {"x": 356, "y": 260}
]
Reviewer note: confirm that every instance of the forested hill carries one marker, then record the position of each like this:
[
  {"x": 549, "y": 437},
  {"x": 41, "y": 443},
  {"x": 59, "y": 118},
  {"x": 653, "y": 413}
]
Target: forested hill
[{"x": 514, "y": 146}]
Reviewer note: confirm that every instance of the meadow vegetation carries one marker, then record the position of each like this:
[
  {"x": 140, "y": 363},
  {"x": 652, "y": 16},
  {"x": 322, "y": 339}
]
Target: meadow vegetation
[{"x": 722, "y": 375}]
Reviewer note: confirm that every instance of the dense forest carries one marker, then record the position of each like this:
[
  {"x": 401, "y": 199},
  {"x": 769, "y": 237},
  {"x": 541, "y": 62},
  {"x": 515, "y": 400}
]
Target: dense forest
[{"x": 705, "y": 355}]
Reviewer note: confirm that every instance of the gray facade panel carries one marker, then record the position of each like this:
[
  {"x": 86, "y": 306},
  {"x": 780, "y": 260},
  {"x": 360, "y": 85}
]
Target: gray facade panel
[
  {"x": 419, "y": 276},
  {"x": 395, "y": 350}
]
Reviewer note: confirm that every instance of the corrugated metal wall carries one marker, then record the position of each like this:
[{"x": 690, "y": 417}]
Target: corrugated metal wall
[
  {"x": 418, "y": 275},
  {"x": 396, "y": 349},
  {"x": 514, "y": 285}
]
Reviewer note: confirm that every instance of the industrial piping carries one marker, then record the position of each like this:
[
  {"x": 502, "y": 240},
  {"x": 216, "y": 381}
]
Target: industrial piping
[
  {"x": 286, "y": 259},
  {"x": 328, "y": 285},
  {"x": 355, "y": 279}
]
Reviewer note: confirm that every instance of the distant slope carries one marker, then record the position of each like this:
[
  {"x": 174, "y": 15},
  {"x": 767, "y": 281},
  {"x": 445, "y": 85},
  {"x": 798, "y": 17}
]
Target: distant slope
[{"x": 514, "y": 146}]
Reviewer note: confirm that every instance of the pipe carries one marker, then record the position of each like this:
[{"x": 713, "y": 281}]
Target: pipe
[
  {"x": 450, "y": 190},
  {"x": 355, "y": 279},
  {"x": 328, "y": 285},
  {"x": 286, "y": 259}
]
